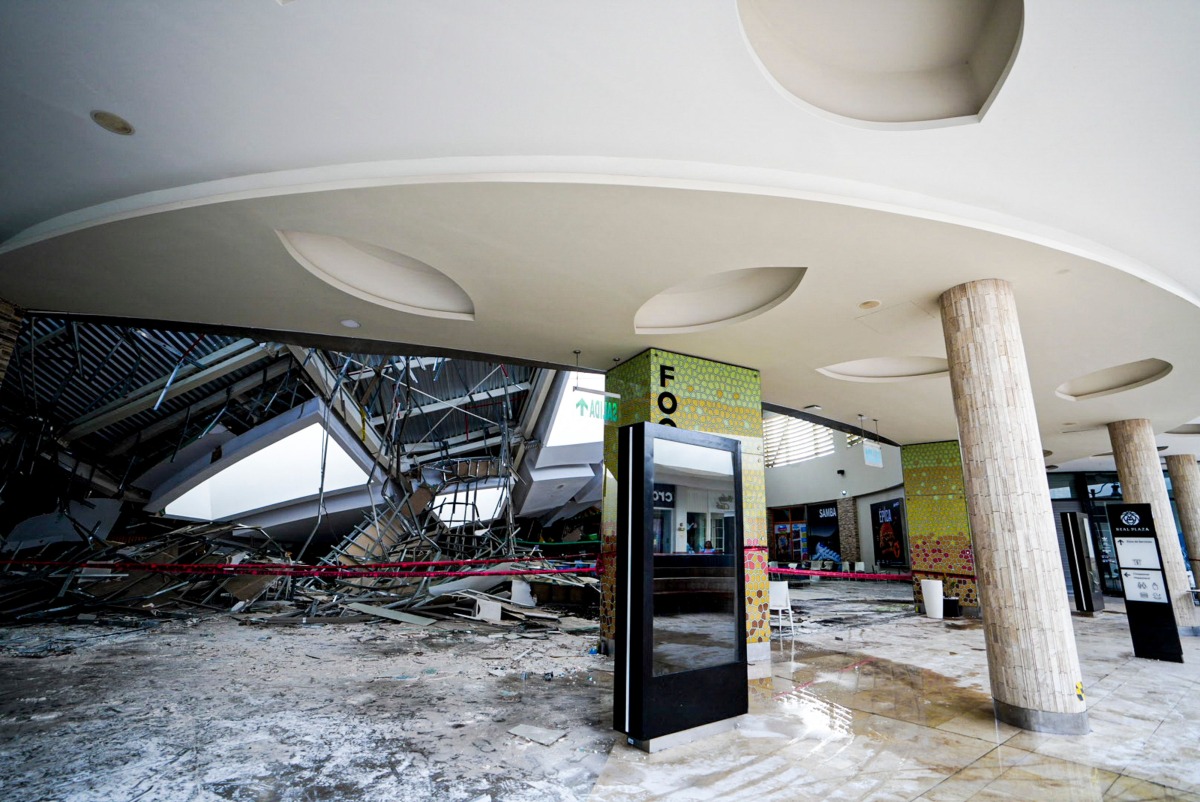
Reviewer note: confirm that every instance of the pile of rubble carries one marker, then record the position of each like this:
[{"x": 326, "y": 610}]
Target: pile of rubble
[{"x": 402, "y": 563}]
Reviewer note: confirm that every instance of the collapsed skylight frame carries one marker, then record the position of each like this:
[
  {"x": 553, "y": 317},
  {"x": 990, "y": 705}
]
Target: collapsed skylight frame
[{"x": 258, "y": 440}]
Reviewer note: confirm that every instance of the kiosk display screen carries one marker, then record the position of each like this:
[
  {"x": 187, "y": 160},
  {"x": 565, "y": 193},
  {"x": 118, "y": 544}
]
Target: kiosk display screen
[{"x": 695, "y": 581}]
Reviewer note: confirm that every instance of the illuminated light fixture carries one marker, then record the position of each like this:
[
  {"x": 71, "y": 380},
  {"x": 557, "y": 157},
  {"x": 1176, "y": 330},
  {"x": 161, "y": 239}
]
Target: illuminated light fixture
[
  {"x": 872, "y": 304},
  {"x": 113, "y": 123},
  {"x": 350, "y": 323}
]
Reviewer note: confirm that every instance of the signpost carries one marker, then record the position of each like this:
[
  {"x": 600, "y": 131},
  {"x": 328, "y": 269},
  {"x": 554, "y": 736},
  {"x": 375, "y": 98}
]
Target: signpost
[{"x": 1147, "y": 598}]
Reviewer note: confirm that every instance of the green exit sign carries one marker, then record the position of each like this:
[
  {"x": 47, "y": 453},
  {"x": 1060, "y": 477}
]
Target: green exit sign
[{"x": 605, "y": 409}]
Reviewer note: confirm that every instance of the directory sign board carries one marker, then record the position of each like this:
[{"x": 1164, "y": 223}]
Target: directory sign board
[
  {"x": 1147, "y": 596},
  {"x": 1138, "y": 552},
  {"x": 1147, "y": 586}
]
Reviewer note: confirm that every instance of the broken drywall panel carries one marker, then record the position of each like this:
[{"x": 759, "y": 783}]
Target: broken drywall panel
[
  {"x": 393, "y": 615},
  {"x": 541, "y": 735}
]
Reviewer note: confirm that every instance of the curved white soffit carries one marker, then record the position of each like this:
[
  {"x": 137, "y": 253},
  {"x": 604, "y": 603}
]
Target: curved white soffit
[
  {"x": 379, "y": 275},
  {"x": 604, "y": 171},
  {"x": 1115, "y": 379},
  {"x": 888, "y": 369},
  {"x": 785, "y": 55},
  {"x": 716, "y": 300}
]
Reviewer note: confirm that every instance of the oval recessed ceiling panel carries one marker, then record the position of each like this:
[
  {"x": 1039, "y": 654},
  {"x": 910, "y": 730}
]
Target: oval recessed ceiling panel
[
  {"x": 888, "y": 369},
  {"x": 887, "y": 62},
  {"x": 379, "y": 275},
  {"x": 1187, "y": 428},
  {"x": 717, "y": 300},
  {"x": 1116, "y": 379}
]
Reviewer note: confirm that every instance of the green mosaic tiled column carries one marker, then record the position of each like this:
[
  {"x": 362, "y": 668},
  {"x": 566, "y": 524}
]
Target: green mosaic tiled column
[
  {"x": 939, "y": 532},
  {"x": 708, "y": 397}
]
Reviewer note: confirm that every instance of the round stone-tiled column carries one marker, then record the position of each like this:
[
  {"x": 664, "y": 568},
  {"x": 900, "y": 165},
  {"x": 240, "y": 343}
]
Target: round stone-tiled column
[
  {"x": 1140, "y": 472},
  {"x": 1032, "y": 661},
  {"x": 1185, "y": 480}
]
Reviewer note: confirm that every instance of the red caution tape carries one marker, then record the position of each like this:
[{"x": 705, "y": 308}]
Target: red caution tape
[
  {"x": 840, "y": 574},
  {"x": 395, "y": 570}
]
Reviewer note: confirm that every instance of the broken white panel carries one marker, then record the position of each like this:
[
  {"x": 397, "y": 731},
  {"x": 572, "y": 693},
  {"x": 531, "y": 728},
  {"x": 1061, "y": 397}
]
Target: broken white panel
[
  {"x": 522, "y": 594},
  {"x": 96, "y": 517},
  {"x": 545, "y": 489},
  {"x": 488, "y": 610}
]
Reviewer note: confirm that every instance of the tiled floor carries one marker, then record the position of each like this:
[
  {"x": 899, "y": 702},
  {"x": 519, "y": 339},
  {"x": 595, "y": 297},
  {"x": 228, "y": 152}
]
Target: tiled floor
[{"x": 869, "y": 702}]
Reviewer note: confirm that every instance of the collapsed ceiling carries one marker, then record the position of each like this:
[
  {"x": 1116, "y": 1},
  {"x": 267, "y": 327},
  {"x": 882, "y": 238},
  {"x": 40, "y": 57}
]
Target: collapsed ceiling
[{"x": 96, "y": 408}]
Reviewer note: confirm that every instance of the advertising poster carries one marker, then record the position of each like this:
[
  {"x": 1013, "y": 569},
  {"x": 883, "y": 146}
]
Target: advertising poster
[
  {"x": 823, "y": 540},
  {"x": 781, "y": 543},
  {"x": 799, "y": 541},
  {"x": 887, "y": 525}
]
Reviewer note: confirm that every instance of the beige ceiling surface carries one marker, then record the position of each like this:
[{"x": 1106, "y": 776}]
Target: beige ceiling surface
[
  {"x": 555, "y": 267},
  {"x": 564, "y": 163}
]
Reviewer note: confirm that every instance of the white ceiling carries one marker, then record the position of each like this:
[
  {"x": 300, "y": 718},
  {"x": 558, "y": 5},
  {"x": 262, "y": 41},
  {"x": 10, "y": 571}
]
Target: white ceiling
[{"x": 564, "y": 163}]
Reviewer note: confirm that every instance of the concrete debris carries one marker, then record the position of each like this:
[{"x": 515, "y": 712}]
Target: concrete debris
[
  {"x": 394, "y": 615},
  {"x": 86, "y": 579},
  {"x": 540, "y": 735}
]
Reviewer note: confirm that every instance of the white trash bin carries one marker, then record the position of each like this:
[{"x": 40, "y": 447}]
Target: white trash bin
[{"x": 931, "y": 589}]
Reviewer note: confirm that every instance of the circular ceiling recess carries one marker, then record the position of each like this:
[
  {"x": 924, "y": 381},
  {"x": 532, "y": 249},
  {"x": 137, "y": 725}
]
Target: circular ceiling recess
[
  {"x": 888, "y": 62},
  {"x": 1187, "y": 428},
  {"x": 717, "y": 300},
  {"x": 379, "y": 275},
  {"x": 1116, "y": 379},
  {"x": 888, "y": 369}
]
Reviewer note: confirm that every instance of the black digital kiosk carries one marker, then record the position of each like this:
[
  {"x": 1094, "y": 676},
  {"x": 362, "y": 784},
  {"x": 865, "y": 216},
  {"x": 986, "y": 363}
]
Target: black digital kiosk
[{"x": 680, "y": 606}]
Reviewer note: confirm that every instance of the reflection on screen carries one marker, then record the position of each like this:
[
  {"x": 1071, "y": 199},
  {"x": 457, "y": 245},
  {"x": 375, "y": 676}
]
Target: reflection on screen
[{"x": 696, "y": 560}]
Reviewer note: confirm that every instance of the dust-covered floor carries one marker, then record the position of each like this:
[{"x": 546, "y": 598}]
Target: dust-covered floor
[
  {"x": 213, "y": 710},
  {"x": 867, "y": 701}
]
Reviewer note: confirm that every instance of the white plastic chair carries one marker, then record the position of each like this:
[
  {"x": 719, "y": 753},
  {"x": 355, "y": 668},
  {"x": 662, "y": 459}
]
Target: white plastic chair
[{"x": 780, "y": 604}]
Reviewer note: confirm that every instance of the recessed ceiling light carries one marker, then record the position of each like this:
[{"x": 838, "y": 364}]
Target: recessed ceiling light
[
  {"x": 112, "y": 122},
  {"x": 350, "y": 323},
  {"x": 870, "y": 304}
]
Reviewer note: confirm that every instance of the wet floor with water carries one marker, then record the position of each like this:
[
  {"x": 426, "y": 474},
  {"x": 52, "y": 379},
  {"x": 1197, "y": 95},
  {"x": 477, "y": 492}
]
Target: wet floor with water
[
  {"x": 868, "y": 701},
  {"x": 871, "y": 702}
]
